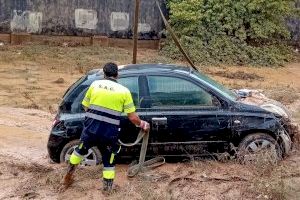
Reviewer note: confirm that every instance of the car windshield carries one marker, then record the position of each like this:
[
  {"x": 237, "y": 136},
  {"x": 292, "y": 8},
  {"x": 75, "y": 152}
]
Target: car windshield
[{"x": 220, "y": 88}]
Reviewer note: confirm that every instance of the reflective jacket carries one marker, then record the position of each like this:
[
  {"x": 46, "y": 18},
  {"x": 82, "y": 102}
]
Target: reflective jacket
[{"x": 106, "y": 100}]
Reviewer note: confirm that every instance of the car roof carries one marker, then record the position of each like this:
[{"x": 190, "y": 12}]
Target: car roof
[
  {"x": 147, "y": 68},
  {"x": 153, "y": 67}
]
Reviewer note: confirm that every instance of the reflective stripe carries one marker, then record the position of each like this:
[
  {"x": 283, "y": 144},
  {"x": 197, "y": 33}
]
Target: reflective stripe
[
  {"x": 77, "y": 154},
  {"x": 112, "y": 157},
  {"x": 86, "y": 99},
  {"x": 102, "y": 118},
  {"x": 119, "y": 149},
  {"x": 109, "y": 172},
  {"x": 75, "y": 159},
  {"x": 80, "y": 146},
  {"x": 128, "y": 106},
  {"x": 108, "y": 168},
  {"x": 106, "y": 110}
]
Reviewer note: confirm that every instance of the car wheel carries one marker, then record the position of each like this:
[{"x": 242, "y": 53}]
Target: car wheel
[
  {"x": 92, "y": 158},
  {"x": 259, "y": 147}
]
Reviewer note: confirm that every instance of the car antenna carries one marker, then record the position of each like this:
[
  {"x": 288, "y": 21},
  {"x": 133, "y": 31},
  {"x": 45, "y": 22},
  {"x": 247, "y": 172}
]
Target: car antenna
[{"x": 175, "y": 38}]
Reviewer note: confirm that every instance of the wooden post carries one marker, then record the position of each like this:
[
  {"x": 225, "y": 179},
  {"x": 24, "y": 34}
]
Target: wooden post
[{"x": 135, "y": 30}]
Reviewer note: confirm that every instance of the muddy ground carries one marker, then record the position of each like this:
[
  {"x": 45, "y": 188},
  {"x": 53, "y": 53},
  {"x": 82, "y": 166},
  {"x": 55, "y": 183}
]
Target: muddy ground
[{"x": 33, "y": 79}]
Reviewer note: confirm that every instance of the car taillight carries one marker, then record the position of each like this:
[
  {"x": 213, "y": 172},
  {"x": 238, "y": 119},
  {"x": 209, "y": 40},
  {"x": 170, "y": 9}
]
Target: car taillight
[{"x": 55, "y": 121}]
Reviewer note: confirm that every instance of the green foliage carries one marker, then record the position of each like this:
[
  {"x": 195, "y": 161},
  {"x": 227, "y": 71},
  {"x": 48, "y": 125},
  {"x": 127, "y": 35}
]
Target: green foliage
[{"x": 245, "y": 32}]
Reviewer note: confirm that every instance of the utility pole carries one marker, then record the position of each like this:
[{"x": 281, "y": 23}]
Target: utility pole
[
  {"x": 135, "y": 30},
  {"x": 175, "y": 38}
]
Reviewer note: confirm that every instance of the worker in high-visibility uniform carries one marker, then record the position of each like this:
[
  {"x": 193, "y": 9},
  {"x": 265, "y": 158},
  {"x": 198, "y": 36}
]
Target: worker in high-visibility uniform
[{"x": 104, "y": 102}]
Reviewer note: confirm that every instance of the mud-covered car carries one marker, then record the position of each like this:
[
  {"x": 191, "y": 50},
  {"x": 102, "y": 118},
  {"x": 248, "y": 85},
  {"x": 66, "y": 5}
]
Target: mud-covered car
[{"x": 189, "y": 113}]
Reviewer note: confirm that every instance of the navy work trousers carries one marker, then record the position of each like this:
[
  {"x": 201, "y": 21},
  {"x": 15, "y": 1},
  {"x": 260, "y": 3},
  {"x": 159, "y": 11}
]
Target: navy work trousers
[{"x": 103, "y": 135}]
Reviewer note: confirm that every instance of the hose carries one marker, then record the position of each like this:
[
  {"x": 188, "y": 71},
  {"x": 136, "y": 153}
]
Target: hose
[{"x": 143, "y": 165}]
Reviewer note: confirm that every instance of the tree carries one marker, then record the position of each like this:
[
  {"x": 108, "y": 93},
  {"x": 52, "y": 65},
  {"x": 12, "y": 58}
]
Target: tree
[{"x": 233, "y": 31}]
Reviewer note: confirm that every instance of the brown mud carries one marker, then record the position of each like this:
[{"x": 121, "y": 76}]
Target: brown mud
[{"x": 33, "y": 80}]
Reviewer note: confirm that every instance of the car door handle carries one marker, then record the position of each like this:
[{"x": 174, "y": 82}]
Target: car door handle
[
  {"x": 159, "y": 120},
  {"x": 221, "y": 118},
  {"x": 159, "y": 123}
]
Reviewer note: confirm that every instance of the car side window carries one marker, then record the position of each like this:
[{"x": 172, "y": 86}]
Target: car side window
[
  {"x": 133, "y": 85},
  {"x": 172, "y": 91}
]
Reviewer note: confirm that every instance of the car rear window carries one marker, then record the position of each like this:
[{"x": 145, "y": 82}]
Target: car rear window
[
  {"x": 73, "y": 97},
  {"x": 71, "y": 88}
]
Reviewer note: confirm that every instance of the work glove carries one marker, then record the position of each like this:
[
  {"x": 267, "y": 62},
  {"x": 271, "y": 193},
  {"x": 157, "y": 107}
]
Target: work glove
[{"x": 144, "y": 125}]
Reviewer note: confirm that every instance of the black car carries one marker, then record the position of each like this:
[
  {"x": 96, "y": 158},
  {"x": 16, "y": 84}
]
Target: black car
[{"x": 189, "y": 113}]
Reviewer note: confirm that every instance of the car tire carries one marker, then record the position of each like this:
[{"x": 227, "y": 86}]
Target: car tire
[
  {"x": 259, "y": 146},
  {"x": 91, "y": 159}
]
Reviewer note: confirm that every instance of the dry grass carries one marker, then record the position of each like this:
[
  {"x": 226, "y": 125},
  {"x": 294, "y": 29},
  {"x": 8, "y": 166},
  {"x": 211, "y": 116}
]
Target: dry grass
[
  {"x": 73, "y": 59},
  {"x": 286, "y": 95},
  {"x": 64, "y": 59},
  {"x": 268, "y": 181}
]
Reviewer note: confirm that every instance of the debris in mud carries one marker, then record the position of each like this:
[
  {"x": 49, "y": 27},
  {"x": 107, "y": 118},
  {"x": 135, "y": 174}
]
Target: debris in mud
[
  {"x": 35, "y": 177},
  {"x": 30, "y": 195},
  {"x": 293, "y": 129},
  {"x": 256, "y": 97},
  {"x": 33, "y": 104},
  {"x": 238, "y": 75},
  {"x": 30, "y": 167},
  {"x": 186, "y": 186},
  {"x": 3, "y": 48},
  {"x": 154, "y": 176},
  {"x": 53, "y": 108},
  {"x": 59, "y": 81}
]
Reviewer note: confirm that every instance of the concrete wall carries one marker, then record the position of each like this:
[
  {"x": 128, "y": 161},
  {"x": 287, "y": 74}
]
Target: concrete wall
[{"x": 113, "y": 18}]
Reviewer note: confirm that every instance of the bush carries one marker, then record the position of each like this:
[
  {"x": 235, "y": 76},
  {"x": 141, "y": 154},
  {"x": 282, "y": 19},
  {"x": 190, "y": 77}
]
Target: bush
[{"x": 243, "y": 32}]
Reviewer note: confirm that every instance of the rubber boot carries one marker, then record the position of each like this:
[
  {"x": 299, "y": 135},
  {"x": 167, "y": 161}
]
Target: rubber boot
[
  {"x": 69, "y": 178},
  {"x": 107, "y": 186}
]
